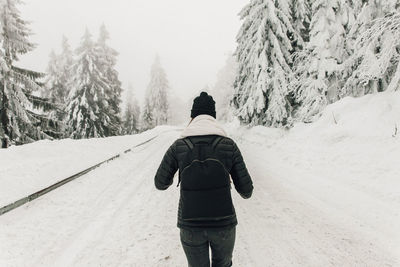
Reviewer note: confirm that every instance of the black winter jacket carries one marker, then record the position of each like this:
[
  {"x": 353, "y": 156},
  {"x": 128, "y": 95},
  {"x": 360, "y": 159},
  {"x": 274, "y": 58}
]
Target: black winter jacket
[{"x": 228, "y": 153}]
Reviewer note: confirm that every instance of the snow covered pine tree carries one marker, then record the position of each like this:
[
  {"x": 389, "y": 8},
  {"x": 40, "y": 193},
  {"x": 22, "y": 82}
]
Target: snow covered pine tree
[
  {"x": 108, "y": 57},
  {"x": 223, "y": 89},
  {"x": 264, "y": 57},
  {"x": 155, "y": 111},
  {"x": 132, "y": 114},
  {"x": 23, "y": 116},
  {"x": 374, "y": 62},
  {"x": 59, "y": 74},
  {"x": 90, "y": 108}
]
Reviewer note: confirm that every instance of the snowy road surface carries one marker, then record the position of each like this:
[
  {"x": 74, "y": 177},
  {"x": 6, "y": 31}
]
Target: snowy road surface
[{"x": 115, "y": 217}]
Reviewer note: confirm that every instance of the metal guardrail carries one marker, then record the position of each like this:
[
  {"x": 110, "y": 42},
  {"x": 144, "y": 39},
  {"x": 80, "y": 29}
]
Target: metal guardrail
[{"x": 46, "y": 190}]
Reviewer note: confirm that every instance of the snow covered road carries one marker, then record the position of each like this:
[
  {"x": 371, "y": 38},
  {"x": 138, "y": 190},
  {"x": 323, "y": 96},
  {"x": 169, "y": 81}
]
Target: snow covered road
[
  {"x": 111, "y": 217},
  {"x": 300, "y": 219},
  {"x": 115, "y": 217}
]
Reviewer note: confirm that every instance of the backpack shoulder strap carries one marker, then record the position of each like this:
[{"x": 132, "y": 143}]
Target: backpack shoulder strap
[
  {"x": 216, "y": 141},
  {"x": 188, "y": 143}
]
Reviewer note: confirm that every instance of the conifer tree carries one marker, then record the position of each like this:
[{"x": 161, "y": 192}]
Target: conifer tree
[
  {"x": 175, "y": 114},
  {"x": 59, "y": 74},
  {"x": 66, "y": 61},
  {"x": 372, "y": 61},
  {"x": 156, "y": 106},
  {"x": 264, "y": 57},
  {"x": 88, "y": 105},
  {"x": 19, "y": 123},
  {"x": 147, "y": 120},
  {"x": 316, "y": 80},
  {"x": 108, "y": 57},
  {"x": 59, "y": 80},
  {"x": 223, "y": 89},
  {"x": 132, "y": 114},
  {"x": 377, "y": 55},
  {"x": 300, "y": 16},
  {"x": 54, "y": 88}
]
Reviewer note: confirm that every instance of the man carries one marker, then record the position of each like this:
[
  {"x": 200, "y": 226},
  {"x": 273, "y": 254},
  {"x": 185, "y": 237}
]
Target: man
[{"x": 207, "y": 161}]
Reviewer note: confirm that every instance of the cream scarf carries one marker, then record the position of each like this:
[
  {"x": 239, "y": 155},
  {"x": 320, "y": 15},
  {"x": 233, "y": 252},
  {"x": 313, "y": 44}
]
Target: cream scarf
[{"x": 203, "y": 125}]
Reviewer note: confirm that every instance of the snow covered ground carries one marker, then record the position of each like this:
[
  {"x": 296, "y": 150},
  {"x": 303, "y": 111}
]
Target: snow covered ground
[
  {"x": 326, "y": 194},
  {"x": 29, "y": 168}
]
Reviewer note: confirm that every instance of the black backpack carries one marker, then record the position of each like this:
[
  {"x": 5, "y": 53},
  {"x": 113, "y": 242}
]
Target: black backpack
[{"x": 205, "y": 183}]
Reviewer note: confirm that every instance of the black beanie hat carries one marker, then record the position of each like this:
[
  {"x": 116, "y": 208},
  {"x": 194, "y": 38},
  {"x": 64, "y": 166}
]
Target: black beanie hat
[{"x": 203, "y": 104}]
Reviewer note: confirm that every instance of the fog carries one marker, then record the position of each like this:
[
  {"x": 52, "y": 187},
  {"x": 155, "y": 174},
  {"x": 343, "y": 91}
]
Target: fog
[{"x": 192, "y": 38}]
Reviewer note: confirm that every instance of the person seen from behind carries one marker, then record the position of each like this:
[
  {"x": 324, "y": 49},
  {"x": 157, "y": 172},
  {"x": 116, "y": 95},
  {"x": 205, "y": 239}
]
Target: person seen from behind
[{"x": 207, "y": 161}]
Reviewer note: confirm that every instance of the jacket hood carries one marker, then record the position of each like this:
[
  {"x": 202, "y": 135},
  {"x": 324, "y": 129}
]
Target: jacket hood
[{"x": 203, "y": 125}]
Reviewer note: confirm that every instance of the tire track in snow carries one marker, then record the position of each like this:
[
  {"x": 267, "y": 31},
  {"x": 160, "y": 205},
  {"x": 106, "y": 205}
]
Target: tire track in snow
[
  {"x": 104, "y": 214},
  {"x": 138, "y": 206},
  {"x": 132, "y": 207}
]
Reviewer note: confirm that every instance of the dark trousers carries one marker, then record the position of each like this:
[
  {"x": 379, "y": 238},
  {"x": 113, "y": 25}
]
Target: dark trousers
[{"x": 197, "y": 243}]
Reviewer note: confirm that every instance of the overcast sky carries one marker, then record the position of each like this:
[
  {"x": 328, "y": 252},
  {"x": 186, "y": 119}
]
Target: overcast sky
[{"x": 192, "y": 37}]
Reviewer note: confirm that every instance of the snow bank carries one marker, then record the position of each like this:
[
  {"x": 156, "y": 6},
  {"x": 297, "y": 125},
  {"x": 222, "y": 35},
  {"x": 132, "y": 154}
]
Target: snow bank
[
  {"x": 371, "y": 118},
  {"x": 354, "y": 135},
  {"x": 374, "y": 116},
  {"x": 29, "y": 168},
  {"x": 349, "y": 158}
]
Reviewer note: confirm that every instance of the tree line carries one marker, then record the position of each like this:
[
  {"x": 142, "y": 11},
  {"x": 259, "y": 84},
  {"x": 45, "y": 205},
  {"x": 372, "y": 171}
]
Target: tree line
[
  {"x": 297, "y": 56},
  {"x": 79, "y": 96}
]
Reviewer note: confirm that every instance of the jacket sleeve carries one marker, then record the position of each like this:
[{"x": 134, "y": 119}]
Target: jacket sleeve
[
  {"x": 167, "y": 169},
  {"x": 240, "y": 175}
]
